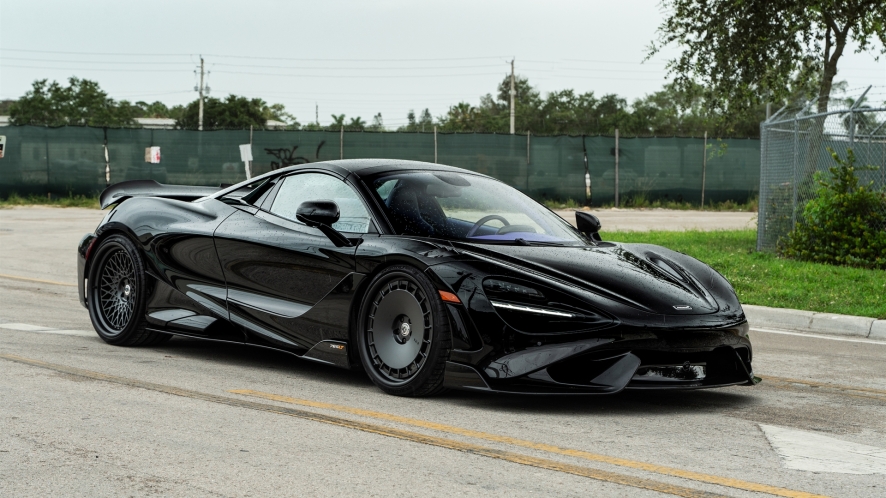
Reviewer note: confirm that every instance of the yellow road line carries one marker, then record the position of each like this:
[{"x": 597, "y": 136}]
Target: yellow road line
[
  {"x": 508, "y": 456},
  {"x": 649, "y": 467},
  {"x": 859, "y": 392},
  {"x": 38, "y": 280}
]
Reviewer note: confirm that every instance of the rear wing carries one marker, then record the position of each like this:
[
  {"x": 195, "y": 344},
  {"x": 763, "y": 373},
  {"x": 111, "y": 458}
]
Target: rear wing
[{"x": 119, "y": 192}]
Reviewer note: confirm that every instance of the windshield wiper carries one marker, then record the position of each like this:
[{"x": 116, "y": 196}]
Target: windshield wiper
[{"x": 522, "y": 242}]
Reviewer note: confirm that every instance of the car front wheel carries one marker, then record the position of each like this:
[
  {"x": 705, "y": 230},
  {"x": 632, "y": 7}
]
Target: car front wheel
[{"x": 403, "y": 334}]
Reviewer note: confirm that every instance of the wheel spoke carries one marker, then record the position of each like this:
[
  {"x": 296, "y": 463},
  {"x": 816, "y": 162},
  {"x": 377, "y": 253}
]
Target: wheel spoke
[
  {"x": 118, "y": 270},
  {"x": 397, "y": 357}
]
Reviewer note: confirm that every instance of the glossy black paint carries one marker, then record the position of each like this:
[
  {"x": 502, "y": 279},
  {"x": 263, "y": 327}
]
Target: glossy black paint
[{"x": 226, "y": 269}]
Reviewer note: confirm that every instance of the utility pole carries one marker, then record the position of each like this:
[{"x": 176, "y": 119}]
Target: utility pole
[
  {"x": 616, "y": 167},
  {"x": 317, "y": 113},
  {"x": 200, "y": 115},
  {"x": 513, "y": 93}
]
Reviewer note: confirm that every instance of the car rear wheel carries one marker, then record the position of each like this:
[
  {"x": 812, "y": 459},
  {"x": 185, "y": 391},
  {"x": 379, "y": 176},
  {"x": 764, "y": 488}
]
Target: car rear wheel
[
  {"x": 403, "y": 335},
  {"x": 116, "y": 291}
]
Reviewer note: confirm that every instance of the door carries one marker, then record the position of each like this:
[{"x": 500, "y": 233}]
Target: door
[{"x": 280, "y": 272}]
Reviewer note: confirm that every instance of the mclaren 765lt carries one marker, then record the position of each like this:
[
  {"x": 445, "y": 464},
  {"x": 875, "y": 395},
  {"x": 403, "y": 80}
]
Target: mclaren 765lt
[{"x": 426, "y": 276}]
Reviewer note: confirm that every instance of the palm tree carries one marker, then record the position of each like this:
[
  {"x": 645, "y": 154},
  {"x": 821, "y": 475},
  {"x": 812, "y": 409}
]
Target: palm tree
[
  {"x": 864, "y": 121},
  {"x": 337, "y": 122},
  {"x": 356, "y": 124}
]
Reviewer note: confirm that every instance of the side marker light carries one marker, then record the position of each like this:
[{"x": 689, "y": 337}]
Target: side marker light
[
  {"x": 449, "y": 297},
  {"x": 89, "y": 249}
]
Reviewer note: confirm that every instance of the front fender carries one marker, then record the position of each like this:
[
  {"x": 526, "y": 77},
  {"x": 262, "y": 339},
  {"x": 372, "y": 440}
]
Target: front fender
[{"x": 83, "y": 250}]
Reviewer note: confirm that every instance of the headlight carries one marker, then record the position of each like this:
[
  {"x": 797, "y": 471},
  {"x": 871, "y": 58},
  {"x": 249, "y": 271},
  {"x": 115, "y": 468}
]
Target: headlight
[
  {"x": 535, "y": 309},
  {"x": 495, "y": 286}
]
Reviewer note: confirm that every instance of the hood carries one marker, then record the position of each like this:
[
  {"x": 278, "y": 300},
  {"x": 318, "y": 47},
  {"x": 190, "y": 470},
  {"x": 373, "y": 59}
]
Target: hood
[{"x": 633, "y": 274}]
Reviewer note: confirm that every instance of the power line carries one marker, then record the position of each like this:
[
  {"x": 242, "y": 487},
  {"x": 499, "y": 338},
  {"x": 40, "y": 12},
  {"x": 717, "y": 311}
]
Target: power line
[
  {"x": 355, "y": 60},
  {"x": 375, "y": 68},
  {"x": 121, "y": 54},
  {"x": 104, "y": 70},
  {"x": 358, "y": 68},
  {"x": 92, "y": 53},
  {"x": 613, "y": 62},
  {"x": 359, "y": 75},
  {"x": 86, "y": 62}
]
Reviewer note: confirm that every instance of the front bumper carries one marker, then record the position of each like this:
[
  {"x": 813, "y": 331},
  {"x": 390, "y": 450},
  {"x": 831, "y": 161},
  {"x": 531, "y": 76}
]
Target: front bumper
[{"x": 659, "y": 360}]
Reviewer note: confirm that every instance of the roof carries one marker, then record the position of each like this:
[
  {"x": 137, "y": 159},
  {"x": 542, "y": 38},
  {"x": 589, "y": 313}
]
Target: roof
[{"x": 369, "y": 167}]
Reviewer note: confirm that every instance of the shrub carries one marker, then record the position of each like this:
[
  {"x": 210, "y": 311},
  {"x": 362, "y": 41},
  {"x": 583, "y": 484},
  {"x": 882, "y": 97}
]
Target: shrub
[{"x": 844, "y": 224}]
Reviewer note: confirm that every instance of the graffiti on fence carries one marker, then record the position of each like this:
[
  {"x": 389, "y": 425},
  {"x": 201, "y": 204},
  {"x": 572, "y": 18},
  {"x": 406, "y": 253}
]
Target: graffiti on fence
[{"x": 287, "y": 157}]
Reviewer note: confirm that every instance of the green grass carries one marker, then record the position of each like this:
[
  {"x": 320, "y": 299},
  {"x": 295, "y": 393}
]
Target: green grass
[
  {"x": 766, "y": 280},
  {"x": 641, "y": 201},
  {"x": 83, "y": 201}
]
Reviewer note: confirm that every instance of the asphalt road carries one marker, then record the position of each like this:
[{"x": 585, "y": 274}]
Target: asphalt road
[{"x": 82, "y": 418}]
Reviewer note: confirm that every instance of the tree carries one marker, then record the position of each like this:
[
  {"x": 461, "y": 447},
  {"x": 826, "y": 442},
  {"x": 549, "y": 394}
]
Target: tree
[
  {"x": 746, "y": 51},
  {"x": 80, "y": 103},
  {"x": 5, "y": 105},
  {"x": 234, "y": 112},
  {"x": 277, "y": 112},
  {"x": 338, "y": 121},
  {"x": 864, "y": 122},
  {"x": 378, "y": 124},
  {"x": 423, "y": 124},
  {"x": 158, "y": 109},
  {"x": 356, "y": 124}
]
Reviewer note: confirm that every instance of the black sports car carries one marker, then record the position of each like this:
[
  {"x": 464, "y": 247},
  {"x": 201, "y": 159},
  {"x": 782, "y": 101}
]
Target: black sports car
[{"x": 426, "y": 276}]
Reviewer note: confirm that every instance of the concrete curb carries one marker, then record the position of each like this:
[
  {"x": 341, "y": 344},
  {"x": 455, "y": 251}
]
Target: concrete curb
[{"x": 811, "y": 321}]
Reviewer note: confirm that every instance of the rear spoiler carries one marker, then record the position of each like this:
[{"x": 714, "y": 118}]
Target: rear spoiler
[{"x": 119, "y": 192}]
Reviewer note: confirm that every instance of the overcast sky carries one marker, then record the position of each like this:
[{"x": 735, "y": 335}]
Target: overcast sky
[{"x": 349, "y": 57}]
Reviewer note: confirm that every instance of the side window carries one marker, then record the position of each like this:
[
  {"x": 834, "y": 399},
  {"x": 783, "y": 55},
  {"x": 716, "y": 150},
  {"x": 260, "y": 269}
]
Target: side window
[{"x": 297, "y": 189}]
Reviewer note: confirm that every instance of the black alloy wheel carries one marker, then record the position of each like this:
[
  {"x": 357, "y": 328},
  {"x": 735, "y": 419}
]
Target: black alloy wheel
[
  {"x": 404, "y": 337},
  {"x": 116, "y": 294}
]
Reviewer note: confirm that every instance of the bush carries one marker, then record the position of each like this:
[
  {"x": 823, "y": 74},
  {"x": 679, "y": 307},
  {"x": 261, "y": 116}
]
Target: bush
[{"x": 844, "y": 224}]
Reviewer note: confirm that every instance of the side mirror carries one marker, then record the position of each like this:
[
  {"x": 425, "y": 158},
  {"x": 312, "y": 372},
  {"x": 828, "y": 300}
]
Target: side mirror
[
  {"x": 314, "y": 213},
  {"x": 588, "y": 224},
  {"x": 321, "y": 215}
]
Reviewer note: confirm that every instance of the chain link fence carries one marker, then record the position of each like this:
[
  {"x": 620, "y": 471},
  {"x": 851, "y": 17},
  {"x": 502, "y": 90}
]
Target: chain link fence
[
  {"x": 794, "y": 146},
  {"x": 82, "y": 160}
]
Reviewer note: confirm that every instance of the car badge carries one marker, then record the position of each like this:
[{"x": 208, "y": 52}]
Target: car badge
[{"x": 682, "y": 307}]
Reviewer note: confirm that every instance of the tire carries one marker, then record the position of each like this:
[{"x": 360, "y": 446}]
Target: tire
[
  {"x": 116, "y": 292},
  {"x": 404, "y": 360}
]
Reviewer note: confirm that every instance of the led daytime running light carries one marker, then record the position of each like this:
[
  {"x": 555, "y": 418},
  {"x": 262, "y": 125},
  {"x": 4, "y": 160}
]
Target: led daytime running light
[{"x": 530, "y": 309}]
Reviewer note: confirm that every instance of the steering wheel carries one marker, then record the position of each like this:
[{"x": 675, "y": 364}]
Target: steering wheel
[{"x": 484, "y": 220}]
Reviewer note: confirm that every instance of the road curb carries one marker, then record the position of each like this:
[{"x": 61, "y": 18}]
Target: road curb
[{"x": 811, "y": 321}]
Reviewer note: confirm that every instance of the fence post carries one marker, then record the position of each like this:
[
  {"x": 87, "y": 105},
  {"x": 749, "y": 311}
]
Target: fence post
[
  {"x": 761, "y": 198},
  {"x": 341, "y": 143},
  {"x": 852, "y": 116},
  {"x": 616, "y": 167},
  {"x": 47, "y": 160},
  {"x": 249, "y": 163},
  {"x": 435, "y": 144},
  {"x": 107, "y": 159},
  {"x": 704, "y": 167},
  {"x": 796, "y": 166},
  {"x": 527, "y": 147}
]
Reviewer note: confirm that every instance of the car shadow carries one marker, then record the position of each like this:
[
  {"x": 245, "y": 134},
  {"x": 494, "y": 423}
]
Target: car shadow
[
  {"x": 261, "y": 358},
  {"x": 628, "y": 402}
]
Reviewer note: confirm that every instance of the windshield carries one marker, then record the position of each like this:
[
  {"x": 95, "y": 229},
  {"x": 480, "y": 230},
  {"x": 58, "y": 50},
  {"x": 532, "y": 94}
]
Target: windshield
[{"x": 468, "y": 208}]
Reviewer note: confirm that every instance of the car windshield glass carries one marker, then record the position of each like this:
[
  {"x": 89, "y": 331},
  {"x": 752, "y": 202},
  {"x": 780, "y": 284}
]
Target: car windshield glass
[{"x": 468, "y": 208}]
